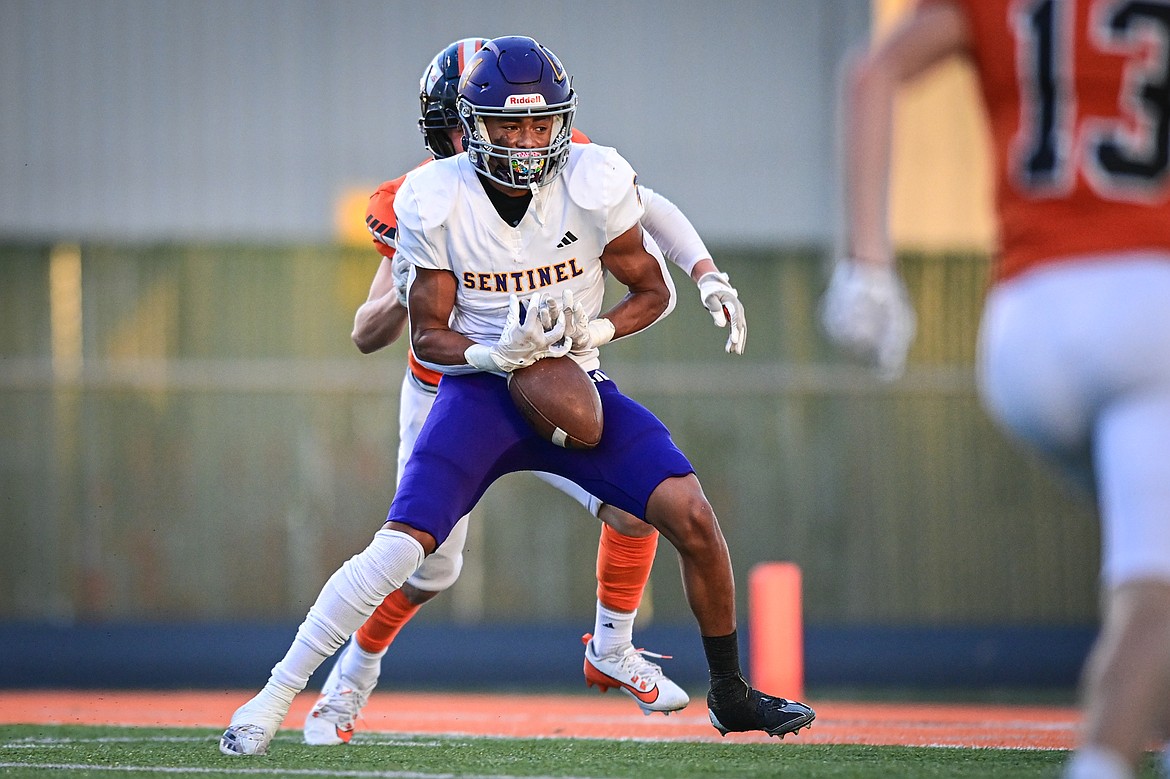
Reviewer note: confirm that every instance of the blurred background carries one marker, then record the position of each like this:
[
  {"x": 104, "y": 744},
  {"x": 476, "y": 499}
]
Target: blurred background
[{"x": 190, "y": 444}]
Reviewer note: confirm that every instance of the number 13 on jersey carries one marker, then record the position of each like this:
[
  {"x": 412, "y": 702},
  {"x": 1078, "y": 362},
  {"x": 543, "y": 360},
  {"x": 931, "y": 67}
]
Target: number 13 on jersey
[{"x": 1118, "y": 136}]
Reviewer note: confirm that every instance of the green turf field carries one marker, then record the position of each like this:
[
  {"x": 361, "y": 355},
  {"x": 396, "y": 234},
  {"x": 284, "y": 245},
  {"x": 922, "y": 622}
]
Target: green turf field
[{"x": 44, "y": 751}]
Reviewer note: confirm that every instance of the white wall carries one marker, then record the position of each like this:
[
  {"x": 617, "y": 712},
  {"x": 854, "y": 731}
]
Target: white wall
[{"x": 248, "y": 119}]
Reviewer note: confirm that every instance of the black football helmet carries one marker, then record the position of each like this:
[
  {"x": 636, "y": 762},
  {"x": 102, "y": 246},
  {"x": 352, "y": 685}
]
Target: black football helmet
[{"x": 438, "y": 92}]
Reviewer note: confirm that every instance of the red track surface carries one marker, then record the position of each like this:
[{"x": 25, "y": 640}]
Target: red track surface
[{"x": 540, "y": 716}]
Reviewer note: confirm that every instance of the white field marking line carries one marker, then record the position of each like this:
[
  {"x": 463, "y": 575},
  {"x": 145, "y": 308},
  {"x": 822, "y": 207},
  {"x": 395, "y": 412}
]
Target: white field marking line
[
  {"x": 395, "y": 738},
  {"x": 33, "y": 742},
  {"x": 990, "y": 725},
  {"x": 537, "y": 718},
  {"x": 265, "y": 771},
  {"x": 363, "y": 739},
  {"x": 980, "y": 747},
  {"x": 635, "y": 720}
]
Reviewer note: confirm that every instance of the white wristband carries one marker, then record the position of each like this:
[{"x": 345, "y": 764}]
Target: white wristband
[
  {"x": 600, "y": 332},
  {"x": 481, "y": 358}
]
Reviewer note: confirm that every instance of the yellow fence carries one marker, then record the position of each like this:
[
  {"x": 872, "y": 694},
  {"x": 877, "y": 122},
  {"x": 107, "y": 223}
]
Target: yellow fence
[{"x": 187, "y": 432}]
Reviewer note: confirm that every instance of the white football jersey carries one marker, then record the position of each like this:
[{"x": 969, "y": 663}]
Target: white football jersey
[{"x": 447, "y": 222}]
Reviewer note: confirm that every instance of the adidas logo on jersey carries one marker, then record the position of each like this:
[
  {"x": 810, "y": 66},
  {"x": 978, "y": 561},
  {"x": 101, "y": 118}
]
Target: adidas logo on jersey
[{"x": 568, "y": 239}]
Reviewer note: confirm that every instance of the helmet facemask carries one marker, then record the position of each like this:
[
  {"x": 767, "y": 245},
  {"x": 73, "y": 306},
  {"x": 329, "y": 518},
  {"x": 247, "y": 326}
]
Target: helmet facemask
[
  {"x": 511, "y": 78},
  {"x": 513, "y": 167},
  {"x": 434, "y": 125}
]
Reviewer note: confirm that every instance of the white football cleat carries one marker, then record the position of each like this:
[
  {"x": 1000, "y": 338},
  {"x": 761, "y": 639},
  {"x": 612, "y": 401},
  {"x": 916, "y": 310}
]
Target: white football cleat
[
  {"x": 252, "y": 727},
  {"x": 241, "y": 740},
  {"x": 631, "y": 672},
  {"x": 333, "y": 717}
]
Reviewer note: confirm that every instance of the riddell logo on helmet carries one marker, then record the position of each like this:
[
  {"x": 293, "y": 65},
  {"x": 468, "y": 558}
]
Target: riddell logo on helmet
[{"x": 524, "y": 101}]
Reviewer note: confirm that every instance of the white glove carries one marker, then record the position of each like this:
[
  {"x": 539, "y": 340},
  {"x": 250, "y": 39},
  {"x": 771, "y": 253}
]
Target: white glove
[
  {"x": 867, "y": 311},
  {"x": 585, "y": 333},
  {"x": 722, "y": 301},
  {"x": 400, "y": 272},
  {"x": 549, "y": 310},
  {"x": 540, "y": 335}
]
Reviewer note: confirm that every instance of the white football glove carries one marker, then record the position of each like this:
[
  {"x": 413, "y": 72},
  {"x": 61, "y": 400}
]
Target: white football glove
[
  {"x": 540, "y": 335},
  {"x": 722, "y": 301},
  {"x": 585, "y": 333},
  {"x": 549, "y": 311},
  {"x": 867, "y": 312},
  {"x": 400, "y": 273}
]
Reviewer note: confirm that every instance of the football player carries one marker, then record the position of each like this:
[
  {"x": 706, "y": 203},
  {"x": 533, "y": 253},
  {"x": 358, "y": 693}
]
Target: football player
[
  {"x": 627, "y": 545},
  {"x": 509, "y": 202},
  {"x": 1074, "y": 353}
]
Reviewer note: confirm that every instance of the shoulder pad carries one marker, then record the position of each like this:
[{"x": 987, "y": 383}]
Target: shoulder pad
[
  {"x": 380, "y": 218},
  {"x": 597, "y": 176},
  {"x": 428, "y": 193}
]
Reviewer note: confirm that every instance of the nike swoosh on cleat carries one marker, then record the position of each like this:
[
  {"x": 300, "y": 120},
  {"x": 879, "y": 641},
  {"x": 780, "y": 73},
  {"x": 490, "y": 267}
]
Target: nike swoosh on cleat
[{"x": 646, "y": 696}]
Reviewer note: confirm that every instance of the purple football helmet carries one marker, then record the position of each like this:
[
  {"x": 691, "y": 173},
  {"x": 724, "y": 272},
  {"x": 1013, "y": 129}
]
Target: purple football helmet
[
  {"x": 437, "y": 93},
  {"x": 514, "y": 77}
]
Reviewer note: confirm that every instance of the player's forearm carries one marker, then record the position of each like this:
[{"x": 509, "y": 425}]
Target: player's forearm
[
  {"x": 440, "y": 346},
  {"x": 923, "y": 38},
  {"x": 378, "y": 323},
  {"x": 868, "y": 123},
  {"x": 650, "y": 290},
  {"x": 639, "y": 309}
]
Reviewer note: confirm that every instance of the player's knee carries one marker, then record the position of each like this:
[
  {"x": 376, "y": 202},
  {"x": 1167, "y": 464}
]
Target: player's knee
[
  {"x": 683, "y": 514},
  {"x": 699, "y": 527},
  {"x": 416, "y": 596},
  {"x": 437, "y": 572},
  {"x": 425, "y": 539}
]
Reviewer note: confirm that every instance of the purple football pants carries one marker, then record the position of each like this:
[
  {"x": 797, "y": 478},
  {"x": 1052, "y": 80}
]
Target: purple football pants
[{"x": 474, "y": 435}]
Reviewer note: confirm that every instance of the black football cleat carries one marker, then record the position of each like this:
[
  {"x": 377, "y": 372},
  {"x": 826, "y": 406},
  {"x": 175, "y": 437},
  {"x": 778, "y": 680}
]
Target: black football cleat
[{"x": 734, "y": 707}]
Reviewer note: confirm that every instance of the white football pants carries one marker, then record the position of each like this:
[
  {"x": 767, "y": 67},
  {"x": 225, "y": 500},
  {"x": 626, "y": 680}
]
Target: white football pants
[{"x": 1075, "y": 361}]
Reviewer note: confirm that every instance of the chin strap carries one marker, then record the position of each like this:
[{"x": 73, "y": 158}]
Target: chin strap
[{"x": 538, "y": 200}]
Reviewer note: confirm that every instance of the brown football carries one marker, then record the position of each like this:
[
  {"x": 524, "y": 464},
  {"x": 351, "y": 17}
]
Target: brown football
[{"x": 560, "y": 401}]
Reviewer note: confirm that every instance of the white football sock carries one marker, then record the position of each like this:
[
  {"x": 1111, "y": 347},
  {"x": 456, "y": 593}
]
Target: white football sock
[
  {"x": 613, "y": 630},
  {"x": 360, "y": 668},
  {"x": 267, "y": 708},
  {"x": 346, "y": 601},
  {"x": 1097, "y": 763}
]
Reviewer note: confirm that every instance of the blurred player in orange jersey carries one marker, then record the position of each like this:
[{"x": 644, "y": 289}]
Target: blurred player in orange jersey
[
  {"x": 627, "y": 546},
  {"x": 1074, "y": 356}
]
